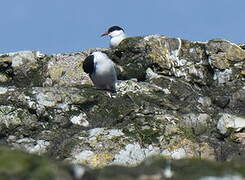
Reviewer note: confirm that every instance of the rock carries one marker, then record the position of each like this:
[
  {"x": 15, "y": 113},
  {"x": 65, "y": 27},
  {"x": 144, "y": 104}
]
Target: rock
[
  {"x": 133, "y": 154},
  {"x": 239, "y": 137},
  {"x": 231, "y": 122},
  {"x": 237, "y": 101},
  {"x": 175, "y": 154},
  {"x": 3, "y": 90},
  {"x": 225, "y": 50},
  {"x": 11, "y": 117},
  {"x": 66, "y": 69},
  {"x": 24, "y": 68},
  {"x": 32, "y": 146},
  {"x": 175, "y": 98},
  {"x": 222, "y": 56},
  {"x": 167, "y": 56},
  {"x": 205, "y": 101},
  {"x": 80, "y": 120},
  {"x": 198, "y": 122}
]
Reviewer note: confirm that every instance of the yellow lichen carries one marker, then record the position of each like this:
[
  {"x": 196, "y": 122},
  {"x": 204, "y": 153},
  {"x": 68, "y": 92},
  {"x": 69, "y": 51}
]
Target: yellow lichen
[
  {"x": 4, "y": 78},
  {"x": 6, "y": 59},
  {"x": 206, "y": 151},
  {"x": 235, "y": 53},
  {"x": 100, "y": 159},
  {"x": 55, "y": 73}
]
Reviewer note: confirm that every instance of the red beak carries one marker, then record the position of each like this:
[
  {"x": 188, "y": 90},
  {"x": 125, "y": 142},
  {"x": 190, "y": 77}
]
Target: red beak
[{"x": 104, "y": 34}]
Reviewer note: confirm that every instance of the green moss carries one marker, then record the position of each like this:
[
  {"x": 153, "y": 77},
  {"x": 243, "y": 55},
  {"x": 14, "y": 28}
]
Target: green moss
[
  {"x": 129, "y": 43},
  {"x": 148, "y": 136},
  {"x": 158, "y": 53},
  {"x": 191, "y": 169},
  {"x": 187, "y": 133},
  {"x": 205, "y": 168},
  {"x": 106, "y": 111},
  {"x": 19, "y": 165},
  {"x": 145, "y": 130},
  {"x": 4, "y": 78},
  {"x": 9, "y": 116}
]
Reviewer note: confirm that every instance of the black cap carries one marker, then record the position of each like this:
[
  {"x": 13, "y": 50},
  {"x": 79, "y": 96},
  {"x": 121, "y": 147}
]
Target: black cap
[{"x": 114, "y": 28}]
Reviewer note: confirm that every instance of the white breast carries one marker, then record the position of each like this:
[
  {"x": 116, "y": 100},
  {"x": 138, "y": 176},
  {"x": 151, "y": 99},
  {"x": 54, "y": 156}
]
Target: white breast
[{"x": 115, "y": 41}]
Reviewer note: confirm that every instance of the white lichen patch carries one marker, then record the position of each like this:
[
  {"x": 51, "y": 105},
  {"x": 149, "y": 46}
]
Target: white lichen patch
[
  {"x": 197, "y": 72},
  {"x": 39, "y": 54},
  {"x": 204, "y": 101},
  {"x": 3, "y": 90},
  {"x": 166, "y": 117},
  {"x": 134, "y": 154},
  {"x": 80, "y": 120},
  {"x": 112, "y": 133},
  {"x": 228, "y": 121},
  {"x": 191, "y": 50},
  {"x": 32, "y": 146},
  {"x": 31, "y": 104},
  {"x": 223, "y": 76},
  {"x": 40, "y": 147},
  {"x": 102, "y": 133},
  {"x": 47, "y": 100},
  {"x": 166, "y": 91},
  {"x": 17, "y": 61},
  {"x": 150, "y": 74},
  {"x": 182, "y": 62},
  {"x": 150, "y": 37},
  {"x": 96, "y": 132},
  {"x": 92, "y": 159},
  {"x": 83, "y": 156},
  {"x": 9, "y": 116},
  {"x": 124, "y": 87},
  {"x": 64, "y": 106},
  {"x": 22, "y": 57},
  {"x": 179, "y": 153},
  {"x": 180, "y": 73}
]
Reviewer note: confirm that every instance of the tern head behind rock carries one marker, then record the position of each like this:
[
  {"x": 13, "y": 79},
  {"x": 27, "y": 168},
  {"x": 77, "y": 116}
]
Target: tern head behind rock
[
  {"x": 116, "y": 35},
  {"x": 101, "y": 71}
]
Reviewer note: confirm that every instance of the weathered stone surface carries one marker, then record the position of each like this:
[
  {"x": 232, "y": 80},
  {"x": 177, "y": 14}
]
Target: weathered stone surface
[
  {"x": 23, "y": 68},
  {"x": 66, "y": 69},
  {"x": 172, "y": 99},
  {"x": 231, "y": 122},
  {"x": 227, "y": 60},
  {"x": 166, "y": 56}
]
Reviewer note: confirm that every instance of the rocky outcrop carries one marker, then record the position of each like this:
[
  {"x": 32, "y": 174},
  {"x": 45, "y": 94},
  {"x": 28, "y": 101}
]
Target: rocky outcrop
[{"x": 175, "y": 98}]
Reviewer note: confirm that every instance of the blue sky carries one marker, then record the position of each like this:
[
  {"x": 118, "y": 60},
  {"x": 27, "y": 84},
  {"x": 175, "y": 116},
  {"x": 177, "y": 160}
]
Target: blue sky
[{"x": 61, "y": 26}]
